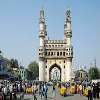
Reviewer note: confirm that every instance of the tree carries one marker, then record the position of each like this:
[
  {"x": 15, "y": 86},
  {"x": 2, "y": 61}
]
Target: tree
[
  {"x": 14, "y": 63},
  {"x": 33, "y": 68},
  {"x": 29, "y": 75},
  {"x": 94, "y": 73}
]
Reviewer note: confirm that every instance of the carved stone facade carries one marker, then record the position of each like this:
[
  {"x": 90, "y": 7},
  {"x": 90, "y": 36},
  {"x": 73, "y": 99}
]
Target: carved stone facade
[{"x": 55, "y": 54}]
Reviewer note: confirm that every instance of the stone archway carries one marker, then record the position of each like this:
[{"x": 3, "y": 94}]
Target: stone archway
[{"x": 55, "y": 72}]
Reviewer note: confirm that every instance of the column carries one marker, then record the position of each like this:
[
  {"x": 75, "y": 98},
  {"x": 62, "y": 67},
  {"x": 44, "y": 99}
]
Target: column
[
  {"x": 41, "y": 70},
  {"x": 62, "y": 74},
  {"x": 47, "y": 73},
  {"x": 68, "y": 69}
]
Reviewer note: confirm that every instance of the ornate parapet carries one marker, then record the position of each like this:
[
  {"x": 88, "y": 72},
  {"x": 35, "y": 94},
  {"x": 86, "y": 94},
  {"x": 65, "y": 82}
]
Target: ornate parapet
[
  {"x": 59, "y": 53},
  {"x": 55, "y": 42}
]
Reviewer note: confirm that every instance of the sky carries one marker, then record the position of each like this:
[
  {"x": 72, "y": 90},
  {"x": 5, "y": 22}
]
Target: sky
[{"x": 19, "y": 28}]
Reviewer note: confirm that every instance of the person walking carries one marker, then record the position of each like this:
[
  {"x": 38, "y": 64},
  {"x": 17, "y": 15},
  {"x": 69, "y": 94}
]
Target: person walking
[
  {"x": 45, "y": 90},
  {"x": 90, "y": 97},
  {"x": 94, "y": 90},
  {"x": 80, "y": 87},
  {"x": 11, "y": 89},
  {"x": 97, "y": 90},
  {"x": 41, "y": 90},
  {"x": 54, "y": 90},
  {"x": 75, "y": 88},
  {"x": 5, "y": 92},
  {"x": 34, "y": 88}
]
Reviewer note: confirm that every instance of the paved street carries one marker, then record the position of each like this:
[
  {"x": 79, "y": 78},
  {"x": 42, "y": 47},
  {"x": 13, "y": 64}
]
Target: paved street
[{"x": 57, "y": 97}]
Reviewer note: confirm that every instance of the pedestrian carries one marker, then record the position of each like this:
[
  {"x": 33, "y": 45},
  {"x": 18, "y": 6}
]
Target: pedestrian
[
  {"x": 10, "y": 89},
  {"x": 67, "y": 86},
  {"x": 5, "y": 92},
  {"x": 54, "y": 90},
  {"x": 97, "y": 90},
  {"x": 34, "y": 91},
  {"x": 41, "y": 90},
  {"x": 75, "y": 88},
  {"x": 90, "y": 92},
  {"x": 80, "y": 87},
  {"x": 14, "y": 91},
  {"x": 94, "y": 90},
  {"x": 45, "y": 90}
]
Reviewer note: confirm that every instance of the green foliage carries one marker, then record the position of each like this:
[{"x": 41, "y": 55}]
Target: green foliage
[
  {"x": 94, "y": 73},
  {"x": 29, "y": 75},
  {"x": 14, "y": 63},
  {"x": 33, "y": 70}
]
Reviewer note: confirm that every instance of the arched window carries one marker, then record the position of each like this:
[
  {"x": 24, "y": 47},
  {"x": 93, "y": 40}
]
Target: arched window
[
  {"x": 48, "y": 53},
  {"x": 57, "y": 53},
  {"x": 63, "y": 53},
  {"x": 60, "y": 53},
  {"x": 51, "y": 53},
  {"x": 45, "y": 53},
  {"x": 61, "y": 45}
]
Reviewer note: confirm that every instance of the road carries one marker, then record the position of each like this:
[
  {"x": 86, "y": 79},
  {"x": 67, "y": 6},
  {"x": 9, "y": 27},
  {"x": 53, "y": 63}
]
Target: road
[{"x": 57, "y": 97}]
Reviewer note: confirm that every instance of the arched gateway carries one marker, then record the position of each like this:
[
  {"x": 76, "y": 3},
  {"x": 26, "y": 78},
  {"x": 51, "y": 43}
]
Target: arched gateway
[
  {"x": 55, "y": 72},
  {"x": 55, "y": 56}
]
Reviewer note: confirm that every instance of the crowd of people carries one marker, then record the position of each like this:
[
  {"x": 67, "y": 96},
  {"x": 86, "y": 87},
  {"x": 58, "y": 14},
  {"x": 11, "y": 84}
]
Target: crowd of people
[
  {"x": 91, "y": 90},
  {"x": 94, "y": 91},
  {"x": 12, "y": 90}
]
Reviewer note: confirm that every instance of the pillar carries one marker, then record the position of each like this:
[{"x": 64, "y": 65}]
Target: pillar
[{"x": 41, "y": 70}]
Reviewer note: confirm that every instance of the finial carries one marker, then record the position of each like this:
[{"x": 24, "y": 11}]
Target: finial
[
  {"x": 42, "y": 7},
  {"x": 68, "y": 13},
  {"x": 68, "y": 16},
  {"x": 42, "y": 19}
]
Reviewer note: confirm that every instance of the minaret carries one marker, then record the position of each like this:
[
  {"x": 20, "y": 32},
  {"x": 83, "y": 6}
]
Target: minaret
[
  {"x": 67, "y": 39},
  {"x": 42, "y": 36},
  {"x": 67, "y": 28}
]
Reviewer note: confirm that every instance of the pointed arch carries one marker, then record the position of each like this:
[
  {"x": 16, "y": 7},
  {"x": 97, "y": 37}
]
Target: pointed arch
[{"x": 53, "y": 66}]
